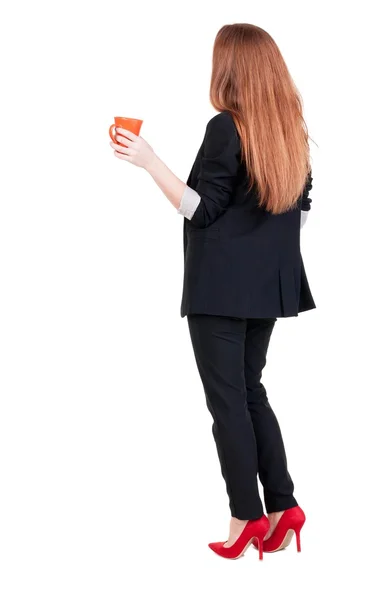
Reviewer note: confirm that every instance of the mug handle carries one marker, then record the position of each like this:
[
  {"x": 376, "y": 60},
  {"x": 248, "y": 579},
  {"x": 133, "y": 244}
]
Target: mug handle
[{"x": 112, "y": 134}]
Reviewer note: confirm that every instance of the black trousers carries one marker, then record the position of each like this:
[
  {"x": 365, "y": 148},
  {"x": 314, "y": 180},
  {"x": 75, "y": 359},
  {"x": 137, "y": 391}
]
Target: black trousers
[{"x": 230, "y": 354}]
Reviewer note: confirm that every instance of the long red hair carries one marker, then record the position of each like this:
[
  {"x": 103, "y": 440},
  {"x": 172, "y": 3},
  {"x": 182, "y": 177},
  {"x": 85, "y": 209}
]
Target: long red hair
[{"x": 251, "y": 80}]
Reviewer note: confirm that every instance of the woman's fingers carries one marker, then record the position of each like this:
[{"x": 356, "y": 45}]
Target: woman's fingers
[
  {"x": 128, "y": 134},
  {"x": 122, "y": 156},
  {"x": 122, "y": 140},
  {"x": 122, "y": 149}
]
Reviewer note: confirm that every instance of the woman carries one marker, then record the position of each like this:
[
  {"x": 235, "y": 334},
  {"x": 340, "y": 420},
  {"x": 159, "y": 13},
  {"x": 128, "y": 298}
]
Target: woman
[{"x": 242, "y": 207}]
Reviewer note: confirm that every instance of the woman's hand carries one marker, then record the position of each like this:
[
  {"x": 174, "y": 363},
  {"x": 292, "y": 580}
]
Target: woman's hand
[{"x": 138, "y": 152}]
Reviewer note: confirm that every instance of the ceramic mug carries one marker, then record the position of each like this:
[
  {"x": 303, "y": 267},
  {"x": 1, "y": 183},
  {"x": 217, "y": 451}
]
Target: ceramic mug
[{"x": 133, "y": 125}]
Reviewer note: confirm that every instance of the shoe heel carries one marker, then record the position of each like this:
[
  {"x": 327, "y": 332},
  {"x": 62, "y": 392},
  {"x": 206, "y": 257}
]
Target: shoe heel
[
  {"x": 298, "y": 539},
  {"x": 260, "y": 548}
]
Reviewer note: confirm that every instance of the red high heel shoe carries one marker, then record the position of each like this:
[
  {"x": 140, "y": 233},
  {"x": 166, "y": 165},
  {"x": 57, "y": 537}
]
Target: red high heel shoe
[
  {"x": 290, "y": 522},
  {"x": 253, "y": 529}
]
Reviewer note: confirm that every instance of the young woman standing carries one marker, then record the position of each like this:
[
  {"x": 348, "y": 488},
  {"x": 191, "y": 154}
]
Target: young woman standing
[{"x": 243, "y": 204}]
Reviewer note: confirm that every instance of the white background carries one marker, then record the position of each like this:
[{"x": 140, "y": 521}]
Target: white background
[{"x": 110, "y": 483}]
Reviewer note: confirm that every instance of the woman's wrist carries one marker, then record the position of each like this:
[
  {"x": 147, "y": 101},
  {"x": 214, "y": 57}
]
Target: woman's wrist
[{"x": 153, "y": 164}]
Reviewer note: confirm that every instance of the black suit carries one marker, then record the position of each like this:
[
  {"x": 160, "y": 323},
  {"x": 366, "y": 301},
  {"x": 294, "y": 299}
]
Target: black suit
[
  {"x": 243, "y": 269},
  {"x": 239, "y": 260}
]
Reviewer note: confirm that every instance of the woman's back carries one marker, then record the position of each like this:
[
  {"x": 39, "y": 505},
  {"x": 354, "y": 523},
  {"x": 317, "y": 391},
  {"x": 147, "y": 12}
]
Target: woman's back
[{"x": 240, "y": 259}]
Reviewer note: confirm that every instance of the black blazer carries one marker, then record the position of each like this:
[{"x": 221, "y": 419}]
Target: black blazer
[{"x": 239, "y": 260}]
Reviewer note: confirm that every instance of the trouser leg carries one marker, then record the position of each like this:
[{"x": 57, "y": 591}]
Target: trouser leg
[
  {"x": 272, "y": 462},
  {"x": 219, "y": 346}
]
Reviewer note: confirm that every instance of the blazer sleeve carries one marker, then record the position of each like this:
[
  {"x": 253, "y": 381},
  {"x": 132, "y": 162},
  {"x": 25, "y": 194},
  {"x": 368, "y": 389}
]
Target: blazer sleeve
[
  {"x": 305, "y": 200},
  {"x": 219, "y": 167}
]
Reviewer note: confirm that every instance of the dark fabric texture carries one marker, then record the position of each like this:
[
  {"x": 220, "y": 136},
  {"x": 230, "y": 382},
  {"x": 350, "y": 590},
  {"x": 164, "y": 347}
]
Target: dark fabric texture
[
  {"x": 230, "y": 354},
  {"x": 239, "y": 260}
]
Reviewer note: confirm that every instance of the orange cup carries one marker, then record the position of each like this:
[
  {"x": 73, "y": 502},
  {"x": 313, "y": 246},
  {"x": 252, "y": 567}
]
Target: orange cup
[{"x": 133, "y": 125}]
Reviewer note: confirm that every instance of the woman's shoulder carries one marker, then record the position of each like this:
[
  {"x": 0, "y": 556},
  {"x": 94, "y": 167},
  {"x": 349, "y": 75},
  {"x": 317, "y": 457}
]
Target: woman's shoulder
[
  {"x": 221, "y": 131},
  {"x": 222, "y": 119}
]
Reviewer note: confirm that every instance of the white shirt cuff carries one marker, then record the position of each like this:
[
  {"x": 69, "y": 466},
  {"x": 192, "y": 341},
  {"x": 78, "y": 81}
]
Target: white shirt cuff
[
  {"x": 189, "y": 202},
  {"x": 304, "y": 216}
]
